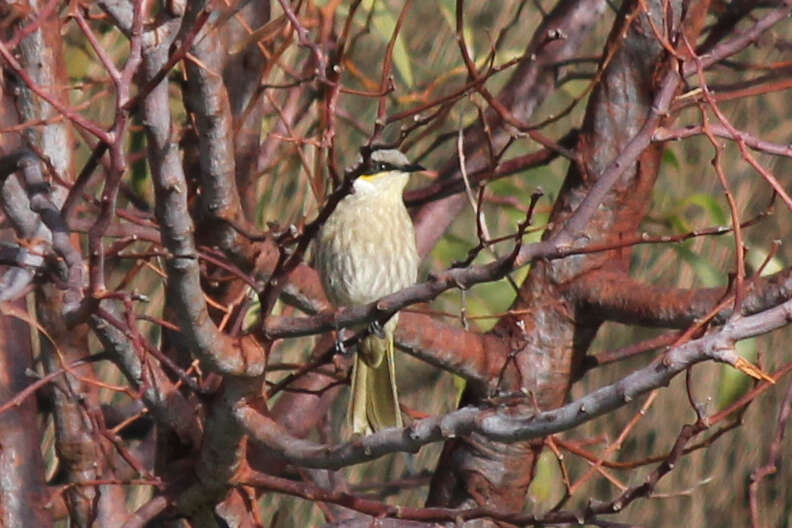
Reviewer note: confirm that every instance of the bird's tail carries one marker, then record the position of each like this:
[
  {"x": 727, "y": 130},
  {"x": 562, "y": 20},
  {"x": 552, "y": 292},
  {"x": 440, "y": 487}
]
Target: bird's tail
[{"x": 374, "y": 404}]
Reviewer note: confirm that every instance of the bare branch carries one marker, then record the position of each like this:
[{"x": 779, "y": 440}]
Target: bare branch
[{"x": 504, "y": 426}]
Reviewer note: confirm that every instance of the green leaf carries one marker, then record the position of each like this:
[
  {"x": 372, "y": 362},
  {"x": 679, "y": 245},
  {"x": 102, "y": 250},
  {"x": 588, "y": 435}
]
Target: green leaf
[
  {"x": 451, "y": 248},
  {"x": 253, "y": 315},
  {"x": 708, "y": 202},
  {"x": 546, "y": 485},
  {"x": 705, "y": 272},
  {"x": 670, "y": 158},
  {"x": 575, "y": 88},
  {"x": 459, "y": 385},
  {"x": 679, "y": 223},
  {"x": 757, "y": 256}
]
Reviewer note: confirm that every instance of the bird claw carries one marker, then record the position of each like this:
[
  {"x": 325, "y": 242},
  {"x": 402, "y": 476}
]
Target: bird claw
[
  {"x": 340, "y": 347},
  {"x": 375, "y": 329}
]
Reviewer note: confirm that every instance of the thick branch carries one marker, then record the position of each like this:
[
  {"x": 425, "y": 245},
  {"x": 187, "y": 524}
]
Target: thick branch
[
  {"x": 505, "y": 426},
  {"x": 207, "y": 98},
  {"x": 473, "y": 356},
  {"x": 616, "y": 297},
  {"x": 218, "y": 351}
]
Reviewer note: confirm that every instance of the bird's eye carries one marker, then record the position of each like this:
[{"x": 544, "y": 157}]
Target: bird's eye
[{"x": 381, "y": 166}]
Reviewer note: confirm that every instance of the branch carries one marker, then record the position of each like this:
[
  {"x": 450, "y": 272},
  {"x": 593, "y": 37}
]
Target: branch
[
  {"x": 20, "y": 459},
  {"x": 773, "y": 457},
  {"x": 161, "y": 396},
  {"x": 555, "y": 247},
  {"x": 617, "y": 297},
  {"x": 446, "y": 187},
  {"x": 477, "y": 358},
  {"x": 503, "y": 425},
  {"x": 206, "y": 96},
  {"x": 671, "y": 134},
  {"x": 70, "y": 114},
  {"x": 524, "y": 92},
  {"x": 217, "y": 351},
  {"x": 660, "y": 106},
  {"x": 38, "y": 191}
]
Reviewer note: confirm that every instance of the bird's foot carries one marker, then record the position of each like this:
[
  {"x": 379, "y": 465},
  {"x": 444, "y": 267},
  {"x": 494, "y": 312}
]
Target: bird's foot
[
  {"x": 375, "y": 329},
  {"x": 339, "y": 346}
]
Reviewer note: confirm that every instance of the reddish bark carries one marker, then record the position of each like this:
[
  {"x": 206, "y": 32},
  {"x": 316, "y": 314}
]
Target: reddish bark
[
  {"x": 266, "y": 88},
  {"x": 550, "y": 340}
]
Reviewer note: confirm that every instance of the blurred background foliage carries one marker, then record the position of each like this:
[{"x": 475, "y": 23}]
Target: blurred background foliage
[{"x": 710, "y": 486}]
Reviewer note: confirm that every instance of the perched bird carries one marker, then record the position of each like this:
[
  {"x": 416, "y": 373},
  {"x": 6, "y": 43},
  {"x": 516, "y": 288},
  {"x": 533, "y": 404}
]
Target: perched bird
[{"x": 366, "y": 250}]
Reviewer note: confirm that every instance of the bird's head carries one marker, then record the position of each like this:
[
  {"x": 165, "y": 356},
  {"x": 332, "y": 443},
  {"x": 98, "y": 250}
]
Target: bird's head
[{"x": 385, "y": 170}]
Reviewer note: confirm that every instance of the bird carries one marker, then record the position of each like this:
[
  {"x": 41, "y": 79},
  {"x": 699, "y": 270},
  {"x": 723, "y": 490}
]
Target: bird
[{"x": 366, "y": 250}]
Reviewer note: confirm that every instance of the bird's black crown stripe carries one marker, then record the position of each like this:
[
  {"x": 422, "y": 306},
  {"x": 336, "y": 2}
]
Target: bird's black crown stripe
[{"x": 374, "y": 167}]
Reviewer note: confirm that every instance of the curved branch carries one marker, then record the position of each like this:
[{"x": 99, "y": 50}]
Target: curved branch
[
  {"x": 524, "y": 92},
  {"x": 471, "y": 355},
  {"x": 560, "y": 245},
  {"x": 206, "y": 96},
  {"x": 216, "y": 350},
  {"x": 446, "y": 187},
  {"x": 38, "y": 191},
  {"x": 556, "y": 247},
  {"x": 616, "y": 297},
  {"x": 476, "y": 357},
  {"x": 505, "y": 425}
]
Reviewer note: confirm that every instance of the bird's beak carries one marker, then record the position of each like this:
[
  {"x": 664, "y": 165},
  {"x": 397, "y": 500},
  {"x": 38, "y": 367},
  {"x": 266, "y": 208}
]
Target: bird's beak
[{"x": 415, "y": 167}]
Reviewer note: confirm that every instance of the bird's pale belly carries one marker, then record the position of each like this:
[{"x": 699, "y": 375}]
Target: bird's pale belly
[{"x": 370, "y": 259}]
